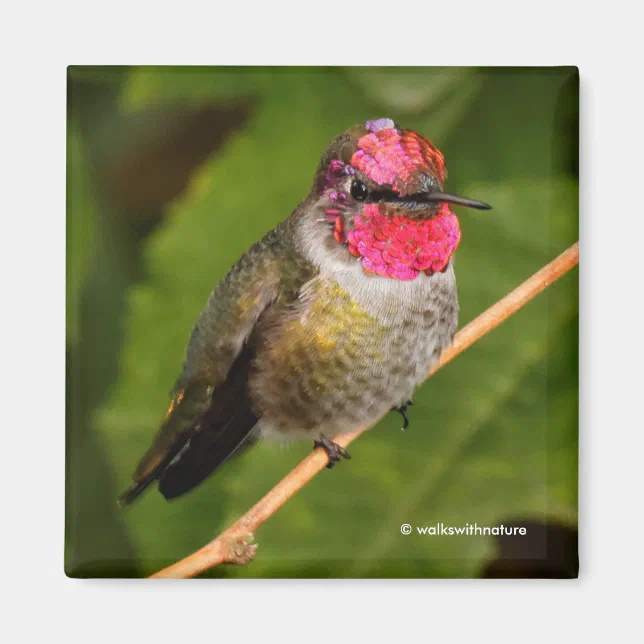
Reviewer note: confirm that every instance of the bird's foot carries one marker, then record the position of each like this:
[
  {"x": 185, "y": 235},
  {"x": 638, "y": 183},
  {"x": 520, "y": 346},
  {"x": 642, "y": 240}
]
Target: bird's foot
[
  {"x": 402, "y": 410},
  {"x": 333, "y": 450}
]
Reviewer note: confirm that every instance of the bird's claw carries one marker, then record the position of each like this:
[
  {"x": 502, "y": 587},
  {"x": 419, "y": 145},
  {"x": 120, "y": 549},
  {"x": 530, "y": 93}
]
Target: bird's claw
[
  {"x": 333, "y": 450},
  {"x": 402, "y": 410}
]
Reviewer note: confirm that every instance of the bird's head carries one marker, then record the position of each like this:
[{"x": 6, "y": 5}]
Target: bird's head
[{"x": 381, "y": 188}]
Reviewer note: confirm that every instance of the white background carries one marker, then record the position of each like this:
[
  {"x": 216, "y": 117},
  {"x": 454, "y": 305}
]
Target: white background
[{"x": 37, "y": 45}]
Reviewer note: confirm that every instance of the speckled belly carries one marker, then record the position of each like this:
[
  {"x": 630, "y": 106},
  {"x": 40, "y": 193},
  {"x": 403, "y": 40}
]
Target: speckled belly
[{"x": 341, "y": 359}]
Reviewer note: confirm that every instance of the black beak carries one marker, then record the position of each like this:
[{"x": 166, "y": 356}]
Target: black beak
[
  {"x": 459, "y": 201},
  {"x": 418, "y": 199}
]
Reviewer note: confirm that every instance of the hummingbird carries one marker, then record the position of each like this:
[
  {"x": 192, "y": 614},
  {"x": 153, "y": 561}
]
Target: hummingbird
[{"x": 328, "y": 322}]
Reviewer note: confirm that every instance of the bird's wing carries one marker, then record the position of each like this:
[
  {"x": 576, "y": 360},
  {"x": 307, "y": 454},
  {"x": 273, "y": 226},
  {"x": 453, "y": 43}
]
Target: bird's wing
[{"x": 210, "y": 416}]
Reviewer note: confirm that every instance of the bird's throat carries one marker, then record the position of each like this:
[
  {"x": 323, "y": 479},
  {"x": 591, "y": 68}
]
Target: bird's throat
[{"x": 398, "y": 247}]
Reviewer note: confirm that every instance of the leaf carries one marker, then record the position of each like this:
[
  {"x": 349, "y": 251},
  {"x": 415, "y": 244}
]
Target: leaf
[
  {"x": 412, "y": 90},
  {"x": 81, "y": 229},
  {"x": 100, "y": 266},
  {"x": 190, "y": 86},
  {"x": 105, "y": 75},
  {"x": 492, "y": 435}
]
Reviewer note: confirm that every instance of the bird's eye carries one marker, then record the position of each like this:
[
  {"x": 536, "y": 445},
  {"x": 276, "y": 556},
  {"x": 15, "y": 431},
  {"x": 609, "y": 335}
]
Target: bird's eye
[{"x": 359, "y": 191}]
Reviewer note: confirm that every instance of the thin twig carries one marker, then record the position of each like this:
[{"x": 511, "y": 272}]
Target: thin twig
[{"x": 235, "y": 544}]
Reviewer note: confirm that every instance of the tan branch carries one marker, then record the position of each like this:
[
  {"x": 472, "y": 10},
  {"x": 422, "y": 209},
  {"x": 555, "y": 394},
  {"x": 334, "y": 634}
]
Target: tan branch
[{"x": 235, "y": 544}]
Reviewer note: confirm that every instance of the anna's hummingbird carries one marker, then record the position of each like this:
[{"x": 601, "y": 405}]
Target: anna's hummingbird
[{"x": 329, "y": 321}]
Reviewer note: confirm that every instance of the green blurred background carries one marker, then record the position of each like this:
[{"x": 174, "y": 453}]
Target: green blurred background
[{"x": 174, "y": 172}]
